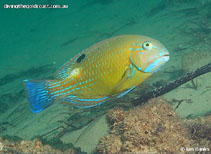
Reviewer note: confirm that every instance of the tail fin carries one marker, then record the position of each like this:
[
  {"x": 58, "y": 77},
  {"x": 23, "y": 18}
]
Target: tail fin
[{"x": 38, "y": 94}]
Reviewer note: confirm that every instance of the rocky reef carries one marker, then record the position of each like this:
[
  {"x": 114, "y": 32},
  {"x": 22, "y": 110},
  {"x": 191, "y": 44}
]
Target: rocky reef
[
  {"x": 200, "y": 130},
  {"x": 152, "y": 128},
  {"x": 35, "y": 146}
]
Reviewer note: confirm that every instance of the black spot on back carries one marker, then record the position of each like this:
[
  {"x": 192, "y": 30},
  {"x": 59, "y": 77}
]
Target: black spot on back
[{"x": 81, "y": 58}]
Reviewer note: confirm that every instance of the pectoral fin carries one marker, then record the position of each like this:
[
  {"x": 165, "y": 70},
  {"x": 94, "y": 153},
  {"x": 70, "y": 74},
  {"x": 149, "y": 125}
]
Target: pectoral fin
[
  {"x": 126, "y": 92},
  {"x": 129, "y": 73}
]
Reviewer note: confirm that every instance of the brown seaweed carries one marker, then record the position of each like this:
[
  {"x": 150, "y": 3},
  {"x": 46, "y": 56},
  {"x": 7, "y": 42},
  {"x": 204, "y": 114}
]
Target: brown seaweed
[
  {"x": 31, "y": 72},
  {"x": 69, "y": 42},
  {"x": 172, "y": 85}
]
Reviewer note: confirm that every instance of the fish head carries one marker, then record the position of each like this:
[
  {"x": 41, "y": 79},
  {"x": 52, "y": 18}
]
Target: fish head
[{"x": 148, "y": 55}]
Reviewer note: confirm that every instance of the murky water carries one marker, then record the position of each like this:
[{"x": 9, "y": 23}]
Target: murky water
[{"x": 36, "y": 42}]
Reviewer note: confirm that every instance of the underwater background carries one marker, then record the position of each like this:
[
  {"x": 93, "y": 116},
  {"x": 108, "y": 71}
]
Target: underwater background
[{"x": 34, "y": 43}]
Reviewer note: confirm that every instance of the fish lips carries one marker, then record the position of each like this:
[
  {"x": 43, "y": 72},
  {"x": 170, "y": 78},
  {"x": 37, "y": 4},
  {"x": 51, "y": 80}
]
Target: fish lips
[{"x": 157, "y": 64}]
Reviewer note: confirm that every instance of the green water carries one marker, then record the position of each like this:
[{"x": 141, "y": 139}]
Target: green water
[{"x": 34, "y": 43}]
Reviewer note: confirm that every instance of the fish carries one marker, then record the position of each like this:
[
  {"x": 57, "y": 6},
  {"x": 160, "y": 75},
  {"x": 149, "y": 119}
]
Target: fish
[{"x": 108, "y": 69}]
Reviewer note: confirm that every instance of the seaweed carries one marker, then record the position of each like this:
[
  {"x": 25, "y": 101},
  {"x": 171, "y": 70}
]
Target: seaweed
[
  {"x": 77, "y": 119},
  {"x": 175, "y": 73},
  {"x": 208, "y": 88},
  {"x": 194, "y": 85},
  {"x": 200, "y": 19},
  {"x": 202, "y": 32},
  {"x": 3, "y": 126},
  {"x": 8, "y": 78},
  {"x": 159, "y": 83},
  {"x": 185, "y": 12},
  {"x": 36, "y": 146},
  {"x": 58, "y": 144},
  {"x": 145, "y": 129},
  {"x": 200, "y": 130},
  {"x": 172, "y": 85},
  {"x": 157, "y": 9},
  {"x": 179, "y": 102},
  {"x": 12, "y": 138},
  {"x": 4, "y": 99},
  {"x": 69, "y": 42},
  {"x": 109, "y": 34},
  {"x": 129, "y": 22},
  {"x": 31, "y": 72},
  {"x": 94, "y": 2},
  {"x": 9, "y": 99}
]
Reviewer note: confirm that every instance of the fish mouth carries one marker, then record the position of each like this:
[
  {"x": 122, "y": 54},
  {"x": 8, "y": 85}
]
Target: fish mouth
[
  {"x": 165, "y": 57},
  {"x": 157, "y": 64}
]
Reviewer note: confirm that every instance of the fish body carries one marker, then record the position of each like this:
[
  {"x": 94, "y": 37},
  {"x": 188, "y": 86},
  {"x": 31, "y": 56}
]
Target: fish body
[{"x": 111, "y": 67}]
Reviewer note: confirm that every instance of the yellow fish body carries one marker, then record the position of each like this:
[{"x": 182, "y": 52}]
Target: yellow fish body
[{"x": 111, "y": 67}]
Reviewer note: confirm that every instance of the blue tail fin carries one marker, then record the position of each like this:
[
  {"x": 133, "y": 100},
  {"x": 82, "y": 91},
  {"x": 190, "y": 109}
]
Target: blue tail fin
[{"x": 38, "y": 94}]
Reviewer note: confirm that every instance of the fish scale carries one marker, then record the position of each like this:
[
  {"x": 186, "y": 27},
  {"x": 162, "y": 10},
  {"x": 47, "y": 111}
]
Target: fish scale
[
  {"x": 105, "y": 73},
  {"x": 111, "y": 67}
]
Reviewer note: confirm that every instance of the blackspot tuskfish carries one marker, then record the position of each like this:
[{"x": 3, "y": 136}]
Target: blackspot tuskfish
[{"x": 110, "y": 68}]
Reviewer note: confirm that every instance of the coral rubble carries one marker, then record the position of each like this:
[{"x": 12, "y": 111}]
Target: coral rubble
[
  {"x": 35, "y": 146},
  {"x": 151, "y": 128},
  {"x": 200, "y": 130}
]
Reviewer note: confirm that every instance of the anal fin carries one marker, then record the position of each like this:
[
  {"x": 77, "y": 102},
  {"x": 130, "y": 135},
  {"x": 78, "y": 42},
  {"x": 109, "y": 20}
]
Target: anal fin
[{"x": 83, "y": 102}]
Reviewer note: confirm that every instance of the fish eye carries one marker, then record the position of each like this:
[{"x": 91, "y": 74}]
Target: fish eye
[{"x": 147, "y": 46}]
